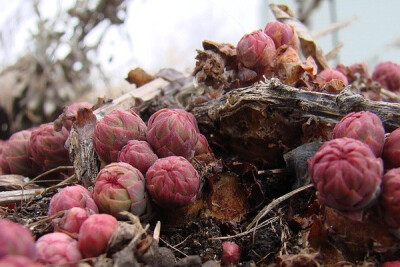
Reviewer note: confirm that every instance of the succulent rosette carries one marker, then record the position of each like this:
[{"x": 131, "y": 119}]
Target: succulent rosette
[
  {"x": 346, "y": 174},
  {"x": 120, "y": 187},
  {"x": 58, "y": 248},
  {"x": 72, "y": 196},
  {"x": 172, "y": 132},
  {"x": 71, "y": 221},
  {"x": 139, "y": 154},
  {"x": 390, "y": 197},
  {"x": 3, "y": 163},
  {"x": 364, "y": 126},
  {"x": 230, "y": 253},
  {"x": 256, "y": 50},
  {"x": 172, "y": 182},
  {"x": 388, "y": 75},
  {"x": 17, "y": 154},
  {"x": 95, "y": 233},
  {"x": 391, "y": 150},
  {"x": 114, "y": 131},
  {"x": 15, "y": 239},
  {"x": 47, "y": 146},
  {"x": 282, "y": 34}
]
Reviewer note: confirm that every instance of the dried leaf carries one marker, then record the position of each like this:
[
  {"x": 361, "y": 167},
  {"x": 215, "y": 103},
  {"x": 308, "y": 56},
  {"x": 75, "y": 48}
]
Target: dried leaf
[
  {"x": 14, "y": 182},
  {"x": 139, "y": 77},
  {"x": 308, "y": 45},
  {"x": 228, "y": 200}
]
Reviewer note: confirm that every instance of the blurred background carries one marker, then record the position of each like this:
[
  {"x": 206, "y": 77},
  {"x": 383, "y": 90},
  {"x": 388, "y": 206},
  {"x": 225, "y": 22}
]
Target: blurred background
[{"x": 55, "y": 52}]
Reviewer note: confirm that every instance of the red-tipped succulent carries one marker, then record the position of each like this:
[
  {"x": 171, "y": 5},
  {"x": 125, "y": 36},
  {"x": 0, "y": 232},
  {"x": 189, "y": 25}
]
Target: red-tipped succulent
[
  {"x": 71, "y": 221},
  {"x": 17, "y": 154},
  {"x": 72, "y": 196},
  {"x": 230, "y": 254},
  {"x": 58, "y": 249},
  {"x": 282, "y": 34},
  {"x": 18, "y": 261},
  {"x": 114, "y": 131},
  {"x": 364, "y": 126},
  {"x": 391, "y": 150},
  {"x": 15, "y": 239},
  {"x": 388, "y": 75},
  {"x": 346, "y": 175},
  {"x": 139, "y": 154},
  {"x": 390, "y": 197},
  {"x": 120, "y": 187},
  {"x": 95, "y": 234},
  {"x": 172, "y": 182},
  {"x": 256, "y": 50},
  {"x": 47, "y": 146},
  {"x": 328, "y": 75},
  {"x": 172, "y": 132}
]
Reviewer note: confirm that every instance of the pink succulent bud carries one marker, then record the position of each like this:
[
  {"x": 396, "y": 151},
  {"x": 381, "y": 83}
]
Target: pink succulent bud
[
  {"x": 172, "y": 182},
  {"x": 114, "y": 131},
  {"x": 282, "y": 34},
  {"x": 95, "y": 234},
  {"x": 72, "y": 196},
  {"x": 17, "y": 154},
  {"x": 390, "y": 197},
  {"x": 256, "y": 50},
  {"x": 364, "y": 126},
  {"x": 58, "y": 248},
  {"x": 331, "y": 74},
  {"x": 139, "y": 154},
  {"x": 388, "y": 75},
  {"x": 391, "y": 150},
  {"x": 120, "y": 187},
  {"x": 71, "y": 111},
  {"x": 18, "y": 261},
  {"x": 172, "y": 132},
  {"x": 15, "y": 239},
  {"x": 230, "y": 254},
  {"x": 346, "y": 174},
  {"x": 71, "y": 221},
  {"x": 47, "y": 146}
]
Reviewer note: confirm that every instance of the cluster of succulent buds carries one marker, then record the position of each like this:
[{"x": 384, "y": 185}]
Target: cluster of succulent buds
[{"x": 358, "y": 168}]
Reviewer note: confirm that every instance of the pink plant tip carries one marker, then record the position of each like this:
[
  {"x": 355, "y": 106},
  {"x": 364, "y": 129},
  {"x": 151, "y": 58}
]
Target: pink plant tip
[
  {"x": 346, "y": 175},
  {"x": 364, "y": 126},
  {"x": 58, "y": 248},
  {"x": 256, "y": 50},
  {"x": 230, "y": 254},
  {"x": 172, "y": 182},
  {"x": 120, "y": 187},
  {"x": 95, "y": 233},
  {"x": 114, "y": 131},
  {"x": 282, "y": 34},
  {"x": 72, "y": 196},
  {"x": 15, "y": 239}
]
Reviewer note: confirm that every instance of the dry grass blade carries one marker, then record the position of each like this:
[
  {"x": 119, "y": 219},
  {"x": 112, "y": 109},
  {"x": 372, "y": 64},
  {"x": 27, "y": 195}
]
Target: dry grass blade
[
  {"x": 333, "y": 27},
  {"x": 274, "y": 204}
]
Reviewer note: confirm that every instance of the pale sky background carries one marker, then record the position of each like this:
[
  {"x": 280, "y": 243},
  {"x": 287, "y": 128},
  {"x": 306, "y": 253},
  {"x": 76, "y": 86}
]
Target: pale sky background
[{"x": 165, "y": 33}]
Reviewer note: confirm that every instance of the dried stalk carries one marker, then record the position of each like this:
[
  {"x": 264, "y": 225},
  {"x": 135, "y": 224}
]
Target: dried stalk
[{"x": 273, "y": 96}]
